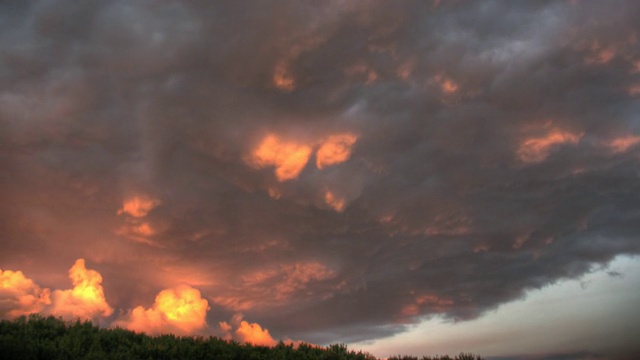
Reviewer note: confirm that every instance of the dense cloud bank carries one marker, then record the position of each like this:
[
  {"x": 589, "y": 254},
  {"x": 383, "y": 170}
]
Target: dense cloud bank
[{"x": 334, "y": 170}]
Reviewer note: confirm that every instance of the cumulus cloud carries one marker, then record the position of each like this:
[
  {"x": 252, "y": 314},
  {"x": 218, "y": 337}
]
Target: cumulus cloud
[
  {"x": 242, "y": 331},
  {"x": 85, "y": 300},
  {"x": 179, "y": 310},
  {"x": 19, "y": 295}
]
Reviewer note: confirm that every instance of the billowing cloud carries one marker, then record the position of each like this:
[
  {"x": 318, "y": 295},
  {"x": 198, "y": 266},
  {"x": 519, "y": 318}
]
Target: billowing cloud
[
  {"x": 179, "y": 310},
  {"x": 254, "y": 334},
  {"x": 19, "y": 295},
  {"x": 244, "y": 332},
  {"x": 85, "y": 300},
  {"x": 287, "y": 157},
  {"x": 334, "y": 150}
]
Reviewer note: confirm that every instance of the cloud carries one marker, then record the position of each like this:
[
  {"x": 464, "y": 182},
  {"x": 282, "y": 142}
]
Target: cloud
[
  {"x": 288, "y": 158},
  {"x": 85, "y": 300},
  {"x": 321, "y": 172},
  {"x": 242, "y": 331},
  {"x": 179, "y": 310},
  {"x": 138, "y": 206},
  {"x": 277, "y": 286},
  {"x": 334, "y": 150},
  {"x": 254, "y": 334},
  {"x": 537, "y": 149},
  {"x": 624, "y": 143},
  {"x": 19, "y": 295}
]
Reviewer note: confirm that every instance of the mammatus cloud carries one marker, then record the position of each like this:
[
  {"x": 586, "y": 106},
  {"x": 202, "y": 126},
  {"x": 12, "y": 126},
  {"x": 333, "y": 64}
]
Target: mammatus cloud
[
  {"x": 136, "y": 209},
  {"x": 289, "y": 158},
  {"x": 335, "y": 149},
  {"x": 138, "y": 206},
  {"x": 338, "y": 174}
]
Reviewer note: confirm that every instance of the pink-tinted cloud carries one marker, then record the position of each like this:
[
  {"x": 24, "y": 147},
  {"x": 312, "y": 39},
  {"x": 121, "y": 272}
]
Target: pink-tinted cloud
[
  {"x": 245, "y": 332},
  {"x": 179, "y": 310},
  {"x": 335, "y": 149},
  {"x": 537, "y": 149},
  {"x": 338, "y": 204},
  {"x": 20, "y": 295},
  {"x": 275, "y": 286},
  {"x": 138, "y": 206},
  {"x": 85, "y": 300},
  {"x": 624, "y": 143},
  {"x": 282, "y": 78},
  {"x": 287, "y": 157}
]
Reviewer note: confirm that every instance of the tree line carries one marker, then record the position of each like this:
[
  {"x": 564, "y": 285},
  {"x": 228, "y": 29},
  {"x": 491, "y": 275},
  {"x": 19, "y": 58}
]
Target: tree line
[{"x": 37, "y": 337}]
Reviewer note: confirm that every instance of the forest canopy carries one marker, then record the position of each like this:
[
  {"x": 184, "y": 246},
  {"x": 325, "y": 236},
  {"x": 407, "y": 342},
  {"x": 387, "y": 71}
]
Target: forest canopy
[{"x": 38, "y": 337}]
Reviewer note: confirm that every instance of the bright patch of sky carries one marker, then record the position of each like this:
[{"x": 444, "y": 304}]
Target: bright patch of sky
[{"x": 597, "y": 313}]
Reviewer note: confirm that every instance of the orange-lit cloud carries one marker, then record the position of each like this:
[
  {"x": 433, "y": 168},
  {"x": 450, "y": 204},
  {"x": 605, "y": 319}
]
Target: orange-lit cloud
[
  {"x": 623, "y": 144},
  {"x": 288, "y": 158},
  {"x": 447, "y": 85},
  {"x": 19, "y": 295},
  {"x": 431, "y": 301},
  {"x": 181, "y": 310},
  {"x": 335, "y": 149},
  {"x": 254, "y": 334},
  {"x": 138, "y": 206},
  {"x": 634, "y": 90},
  {"x": 282, "y": 78},
  {"x": 537, "y": 149},
  {"x": 85, "y": 300},
  {"x": 274, "y": 286},
  {"x": 338, "y": 204},
  {"x": 242, "y": 331},
  {"x": 143, "y": 229}
]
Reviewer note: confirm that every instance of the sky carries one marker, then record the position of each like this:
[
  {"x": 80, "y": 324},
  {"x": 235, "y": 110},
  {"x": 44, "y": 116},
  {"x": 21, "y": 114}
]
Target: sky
[{"x": 418, "y": 177}]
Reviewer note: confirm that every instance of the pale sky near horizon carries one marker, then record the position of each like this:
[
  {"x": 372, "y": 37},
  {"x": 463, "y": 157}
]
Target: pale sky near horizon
[
  {"x": 331, "y": 171},
  {"x": 595, "y": 314}
]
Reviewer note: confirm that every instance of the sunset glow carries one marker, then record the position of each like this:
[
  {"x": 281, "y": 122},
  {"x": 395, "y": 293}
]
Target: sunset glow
[
  {"x": 180, "y": 310},
  {"x": 138, "y": 206},
  {"x": 335, "y": 150},
  {"x": 288, "y": 158},
  {"x": 404, "y": 177},
  {"x": 19, "y": 295},
  {"x": 85, "y": 300},
  {"x": 537, "y": 149}
]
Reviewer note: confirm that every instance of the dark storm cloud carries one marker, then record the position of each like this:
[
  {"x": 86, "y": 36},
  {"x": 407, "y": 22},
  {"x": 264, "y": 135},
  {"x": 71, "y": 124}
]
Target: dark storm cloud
[{"x": 496, "y": 152}]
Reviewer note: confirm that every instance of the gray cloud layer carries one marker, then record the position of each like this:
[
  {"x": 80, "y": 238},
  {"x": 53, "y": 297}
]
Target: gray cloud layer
[{"x": 496, "y": 152}]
